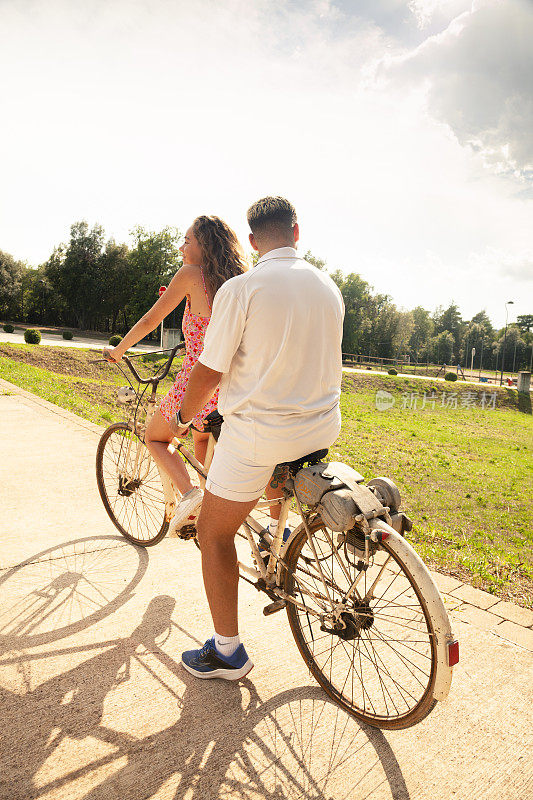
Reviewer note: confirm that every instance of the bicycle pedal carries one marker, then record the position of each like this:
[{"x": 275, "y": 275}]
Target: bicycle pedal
[
  {"x": 273, "y": 607},
  {"x": 187, "y": 532}
]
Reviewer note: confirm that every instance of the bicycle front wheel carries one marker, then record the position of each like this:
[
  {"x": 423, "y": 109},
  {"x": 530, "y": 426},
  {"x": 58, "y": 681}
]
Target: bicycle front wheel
[
  {"x": 381, "y": 667},
  {"x": 130, "y": 486}
]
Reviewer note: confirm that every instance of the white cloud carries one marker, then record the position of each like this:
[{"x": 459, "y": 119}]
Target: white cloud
[
  {"x": 513, "y": 266},
  {"x": 429, "y": 11},
  {"x": 128, "y": 112},
  {"x": 479, "y": 80}
]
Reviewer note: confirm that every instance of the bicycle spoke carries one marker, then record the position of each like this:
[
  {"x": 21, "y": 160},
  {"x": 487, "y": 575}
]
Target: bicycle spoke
[
  {"x": 381, "y": 661},
  {"x": 130, "y": 486}
]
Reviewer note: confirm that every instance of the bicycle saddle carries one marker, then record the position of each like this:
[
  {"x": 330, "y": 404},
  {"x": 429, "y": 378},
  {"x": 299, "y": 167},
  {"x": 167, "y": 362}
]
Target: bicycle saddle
[{"x": 213, "y": 424}]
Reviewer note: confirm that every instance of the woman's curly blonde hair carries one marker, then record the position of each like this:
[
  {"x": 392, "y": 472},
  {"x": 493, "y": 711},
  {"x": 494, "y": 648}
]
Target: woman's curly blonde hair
[{"x": 223, "y": 256}]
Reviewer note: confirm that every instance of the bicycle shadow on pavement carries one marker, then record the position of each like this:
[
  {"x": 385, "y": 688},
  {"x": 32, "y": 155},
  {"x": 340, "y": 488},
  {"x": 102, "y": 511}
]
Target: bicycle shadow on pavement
[
  {"x": 99, "y": 730},
  {"x": 66, "y": 588}
]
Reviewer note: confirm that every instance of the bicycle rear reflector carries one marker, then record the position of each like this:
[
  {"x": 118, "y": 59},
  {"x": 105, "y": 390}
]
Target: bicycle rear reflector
[{"x": 453, "y": 653}]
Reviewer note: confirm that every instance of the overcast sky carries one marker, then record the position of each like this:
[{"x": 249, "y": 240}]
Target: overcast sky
[{"x": 402, "y": 131}]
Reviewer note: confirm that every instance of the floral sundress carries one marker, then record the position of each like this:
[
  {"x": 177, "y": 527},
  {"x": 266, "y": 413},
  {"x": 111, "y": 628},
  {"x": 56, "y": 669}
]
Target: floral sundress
[{"x": 194, "y": 327}]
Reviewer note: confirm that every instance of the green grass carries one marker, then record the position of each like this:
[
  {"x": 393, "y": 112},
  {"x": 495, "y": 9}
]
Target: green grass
[
  {"x": 465, "y": 474},
  {"x": 88, "y": 390}
]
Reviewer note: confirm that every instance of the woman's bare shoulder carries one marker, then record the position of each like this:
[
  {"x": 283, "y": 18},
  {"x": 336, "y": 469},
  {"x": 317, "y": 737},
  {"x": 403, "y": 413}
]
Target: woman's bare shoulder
[{"x": 188, "y": 274}]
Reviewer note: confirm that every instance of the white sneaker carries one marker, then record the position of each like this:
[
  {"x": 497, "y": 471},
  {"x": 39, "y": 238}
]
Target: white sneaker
[{"x": 187, "y": 510}]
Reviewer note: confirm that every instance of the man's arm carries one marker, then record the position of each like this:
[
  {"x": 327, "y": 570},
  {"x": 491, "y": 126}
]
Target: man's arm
[{"x": 200, "y": 389}]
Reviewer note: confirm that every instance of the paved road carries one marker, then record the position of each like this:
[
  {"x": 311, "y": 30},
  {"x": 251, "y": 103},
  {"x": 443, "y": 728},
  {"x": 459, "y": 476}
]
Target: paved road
[
  {"x": 95, "y": 704},
  {"x": 53, "y": 339}
]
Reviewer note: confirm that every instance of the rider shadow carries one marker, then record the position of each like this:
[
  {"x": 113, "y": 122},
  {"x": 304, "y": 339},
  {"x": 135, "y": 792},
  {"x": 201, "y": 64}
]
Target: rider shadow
[{"x": 226, "y": 741}]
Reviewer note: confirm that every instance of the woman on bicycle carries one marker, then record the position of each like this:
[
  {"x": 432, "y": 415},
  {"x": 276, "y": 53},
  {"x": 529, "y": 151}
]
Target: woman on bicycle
[{"x": 211, "y": 254}]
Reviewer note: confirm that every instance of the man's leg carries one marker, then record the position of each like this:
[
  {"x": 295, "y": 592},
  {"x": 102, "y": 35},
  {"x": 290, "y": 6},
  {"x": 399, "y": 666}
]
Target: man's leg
[
  {"x": 217, "y": 525},
  {"x": 275, "y": 489}
]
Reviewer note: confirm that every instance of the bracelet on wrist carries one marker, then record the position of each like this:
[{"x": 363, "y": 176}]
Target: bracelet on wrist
[{"x": 180, "y": 422}]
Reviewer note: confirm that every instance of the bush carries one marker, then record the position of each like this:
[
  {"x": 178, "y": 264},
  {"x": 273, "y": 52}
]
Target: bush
[
  {"x": 32, "y": 336},
  {"x": 115, "y": 339},
  {"x": 68, "y": 335},
  {"x": 392, "y": 371},
  {"x": 450, "y": 376},
  {"x": 9, "y": 328}
]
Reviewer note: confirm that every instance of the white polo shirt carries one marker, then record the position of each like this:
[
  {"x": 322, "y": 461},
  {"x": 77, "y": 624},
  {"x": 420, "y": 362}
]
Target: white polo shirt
[{"x": 275, "y": 333}]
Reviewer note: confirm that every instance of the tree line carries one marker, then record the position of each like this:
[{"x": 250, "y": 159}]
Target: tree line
[{"x": 92, "y": 283}]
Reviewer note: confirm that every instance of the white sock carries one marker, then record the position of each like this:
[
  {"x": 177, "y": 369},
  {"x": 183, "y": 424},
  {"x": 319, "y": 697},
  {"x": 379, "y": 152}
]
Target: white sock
[
  {"x": 226, "y": 645},
  {"x": 272, "y": 527}
]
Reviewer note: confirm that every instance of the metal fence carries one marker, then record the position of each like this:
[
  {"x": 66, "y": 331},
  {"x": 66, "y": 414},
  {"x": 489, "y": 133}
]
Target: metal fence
[{"x": 407, "y": 366}]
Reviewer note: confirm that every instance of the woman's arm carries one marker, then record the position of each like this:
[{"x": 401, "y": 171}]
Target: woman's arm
[{"x": 178, "y": 287}]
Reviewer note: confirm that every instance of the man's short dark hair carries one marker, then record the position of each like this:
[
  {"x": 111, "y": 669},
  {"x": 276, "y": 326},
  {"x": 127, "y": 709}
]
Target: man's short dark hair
[{"x": 271, "y": 216}]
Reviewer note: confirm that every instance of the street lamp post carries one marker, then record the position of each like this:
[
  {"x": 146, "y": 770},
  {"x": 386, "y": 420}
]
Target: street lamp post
[{"x": 508, "y": 303}]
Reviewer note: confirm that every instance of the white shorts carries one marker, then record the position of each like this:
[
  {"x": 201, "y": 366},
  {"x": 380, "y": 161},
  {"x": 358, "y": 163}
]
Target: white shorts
[
  {"x": 235, "y": 478},
  {"x": 238, "y": 472}
]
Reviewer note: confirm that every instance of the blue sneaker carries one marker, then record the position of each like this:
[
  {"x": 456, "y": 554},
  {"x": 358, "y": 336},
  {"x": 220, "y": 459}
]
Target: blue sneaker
[{"x": 209, "y": 663}]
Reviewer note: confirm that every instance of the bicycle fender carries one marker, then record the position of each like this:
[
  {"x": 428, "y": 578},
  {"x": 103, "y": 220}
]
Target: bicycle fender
[{"x": 435, "y": 604}]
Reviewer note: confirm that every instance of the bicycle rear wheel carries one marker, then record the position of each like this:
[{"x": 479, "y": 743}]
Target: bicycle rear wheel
[
  {"x": 382, "y": 666},
  {"x": 130, "y": 486}
]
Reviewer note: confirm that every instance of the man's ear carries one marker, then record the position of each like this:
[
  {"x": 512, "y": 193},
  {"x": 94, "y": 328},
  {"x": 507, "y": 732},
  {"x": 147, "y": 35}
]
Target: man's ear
[
  {"x": 251, "y": 237},
  {"x": 296, "y": 232}
]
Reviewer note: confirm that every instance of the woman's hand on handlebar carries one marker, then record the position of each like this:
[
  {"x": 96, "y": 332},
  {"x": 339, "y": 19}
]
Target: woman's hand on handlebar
[{"x": 112, "y": 354}]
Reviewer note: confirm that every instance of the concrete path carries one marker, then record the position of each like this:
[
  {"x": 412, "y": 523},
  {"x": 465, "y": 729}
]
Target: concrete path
[{"x": 95, "y": 704}]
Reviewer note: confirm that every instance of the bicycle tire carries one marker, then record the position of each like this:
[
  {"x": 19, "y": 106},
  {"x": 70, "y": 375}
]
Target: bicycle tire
[
  {"x": 137, "y": 508},
  {"x": 374, "y": 662}
]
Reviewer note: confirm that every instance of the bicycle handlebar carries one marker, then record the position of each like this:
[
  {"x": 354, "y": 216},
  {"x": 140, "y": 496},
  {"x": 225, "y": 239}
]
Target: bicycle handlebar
[{"x": 155, "y": 379}]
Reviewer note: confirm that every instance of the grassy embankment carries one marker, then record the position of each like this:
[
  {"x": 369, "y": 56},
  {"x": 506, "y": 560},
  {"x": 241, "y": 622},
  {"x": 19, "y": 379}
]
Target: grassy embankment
[{"x": 465, "y": 473}]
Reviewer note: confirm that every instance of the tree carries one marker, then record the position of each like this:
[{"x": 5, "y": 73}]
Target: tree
[
  {"x": 423, "y": 327},
  {"x": 481, "y": 318},
  {"x": 115, "y": 270},
  {"x": 440, "y": 348},
  {"x": 11, "y": 276},
  {"x": 450, "y": 321},
  {"x": 405, "y": 326},
  {"x": 525, "y": 322},
  {"x": 319, "y": 263},
  {"x": 357, "y": 298},
  {"x": 477, "y": 336},
  {"x": 154, "y": 260},
  {"x": 74, "y": 272},
  {"x": 514, "y": 354}
]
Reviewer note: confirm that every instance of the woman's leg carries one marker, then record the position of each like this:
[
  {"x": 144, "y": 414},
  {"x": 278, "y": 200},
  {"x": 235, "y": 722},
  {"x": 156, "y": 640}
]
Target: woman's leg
[
  {"x": 200, "y": 445},
  {"x": 157, "y": 439}
]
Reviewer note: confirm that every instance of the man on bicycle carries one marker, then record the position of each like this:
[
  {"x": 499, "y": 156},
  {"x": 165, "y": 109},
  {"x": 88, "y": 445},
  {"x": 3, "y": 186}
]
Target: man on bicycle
[{"x": 274, "y": 346}]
